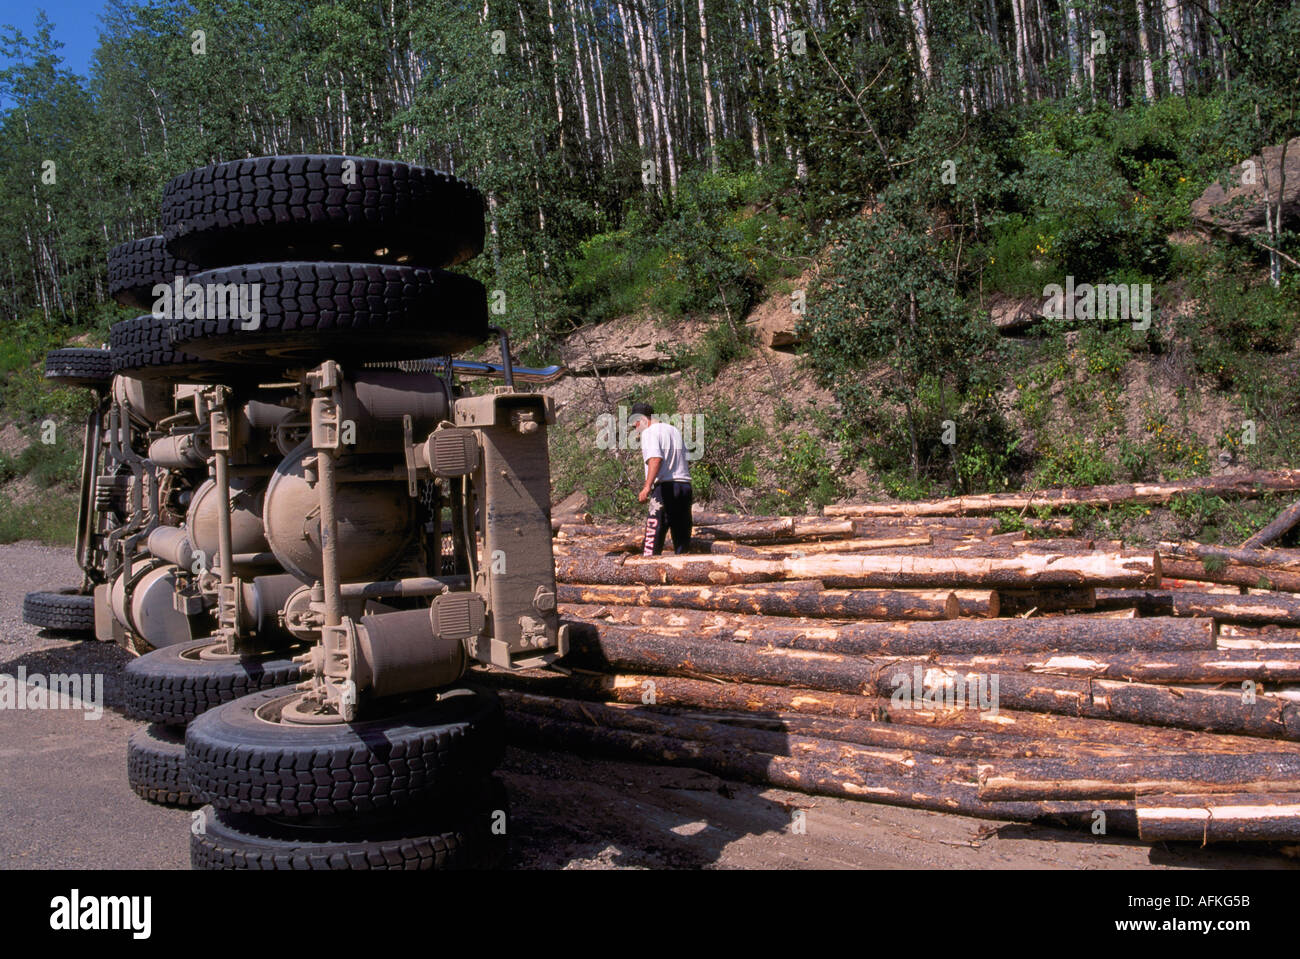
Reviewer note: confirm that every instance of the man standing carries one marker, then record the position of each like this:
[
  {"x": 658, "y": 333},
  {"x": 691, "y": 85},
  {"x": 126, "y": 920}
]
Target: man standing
[{"x": 667, "y": 482}]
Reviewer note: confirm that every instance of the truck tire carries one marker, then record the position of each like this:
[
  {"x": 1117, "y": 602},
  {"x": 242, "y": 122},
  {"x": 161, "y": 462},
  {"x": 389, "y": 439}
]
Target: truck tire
[
  {"x": 310, "y": 312},
  {"x": 171, "y": 685},
  {"x": 155, "y": 765},
  {"x": 66, "y": 610},
  {"x": 254, "y": 210},
  {"x": 425, "y": 839},
  {"x": 136, "y": 266},
  {"x": 242, "y": 762},
  {"x": 142, "y": 348},
  {"x": 79, "y": 367}
]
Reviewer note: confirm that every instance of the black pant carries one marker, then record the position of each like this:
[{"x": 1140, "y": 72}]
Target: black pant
[{"x": 670, "y": 509}]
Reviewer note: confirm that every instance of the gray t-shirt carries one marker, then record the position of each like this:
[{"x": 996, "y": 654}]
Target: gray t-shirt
[{"x": 664, "y": 440}]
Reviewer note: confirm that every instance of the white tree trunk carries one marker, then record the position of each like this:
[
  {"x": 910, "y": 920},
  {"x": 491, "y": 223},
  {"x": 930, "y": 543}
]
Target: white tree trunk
[
  {"x": 709, "y": 128},
  {"x": 1175, "y": 46},
  {"x": 555, "y": 69},
  {"x": 635, "y": 76},
  {"x": 922, "y": 31},
  {"x": 582, "y": 77},
  {"x": 1144, "y": 43},
  {"x": 1018, "y": 23}
]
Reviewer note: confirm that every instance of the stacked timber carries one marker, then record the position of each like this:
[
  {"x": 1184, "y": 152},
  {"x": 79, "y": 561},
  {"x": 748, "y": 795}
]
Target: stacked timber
[{"x": 916, "y": 655}]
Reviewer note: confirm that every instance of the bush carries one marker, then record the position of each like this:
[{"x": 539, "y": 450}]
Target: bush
[
  {"x": 732, "y": 447},
  {"x": 804, "y": 475},
  {"x": 613, "y": 274}
]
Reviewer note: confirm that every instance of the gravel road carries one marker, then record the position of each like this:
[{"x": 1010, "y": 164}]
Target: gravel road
[{"x": 65, "y": 804}]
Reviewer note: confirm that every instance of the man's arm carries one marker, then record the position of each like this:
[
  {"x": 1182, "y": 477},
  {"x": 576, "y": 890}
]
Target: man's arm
[{"x": 651, "y": 471}]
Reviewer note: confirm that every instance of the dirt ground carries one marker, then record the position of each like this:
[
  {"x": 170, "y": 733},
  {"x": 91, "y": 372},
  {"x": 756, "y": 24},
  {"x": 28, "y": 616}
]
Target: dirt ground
[{"x": 65, "y": 804}]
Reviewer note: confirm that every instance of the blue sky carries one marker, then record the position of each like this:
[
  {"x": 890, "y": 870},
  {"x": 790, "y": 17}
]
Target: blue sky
[{"x": 76, "y": 26}]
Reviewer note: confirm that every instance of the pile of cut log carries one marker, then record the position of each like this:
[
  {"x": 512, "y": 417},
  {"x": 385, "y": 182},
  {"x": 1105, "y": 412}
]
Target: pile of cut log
[{"x": 906, "y": 654}]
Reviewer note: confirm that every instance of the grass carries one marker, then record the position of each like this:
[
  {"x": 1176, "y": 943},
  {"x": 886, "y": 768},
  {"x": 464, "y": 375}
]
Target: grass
[{"x": 51, "y": 519}]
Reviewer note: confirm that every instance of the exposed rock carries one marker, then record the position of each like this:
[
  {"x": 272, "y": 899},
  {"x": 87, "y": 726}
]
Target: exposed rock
[
  {"x": 12, "y": 440},
  {"x": 1239, "y": 209},
  {"x": 575, "y": 502},
  {"x": 1013, "y": 315},
  {"x": 632, "y": 344},
  {"x": 774, "y": 321}
]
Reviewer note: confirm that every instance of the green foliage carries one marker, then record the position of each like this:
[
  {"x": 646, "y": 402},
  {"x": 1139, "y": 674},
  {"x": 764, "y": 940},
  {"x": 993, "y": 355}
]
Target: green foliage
[
  {"x": 48, "y": 465},
  {"x": 1195, "y": 511},
  {"x": 50, "y": 519},
  {"x": 577, "y": 464},
  {"x": 613, "y": 274},
  {"x": 729, "y": 466},
  {"x": 1071, "y": 461},
  {"x": 718, "y": 346},
  {"x": 1018, "y": 252},
  {"x": 805, "y": 475}
]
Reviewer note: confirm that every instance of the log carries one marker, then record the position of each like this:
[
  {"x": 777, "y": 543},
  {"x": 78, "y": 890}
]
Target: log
[
  {"x": 1240, "y": 485},
  {"x": 770, "y": 733},
  {"x": 778, "y": 600},
  {"x": 1236, "y": 817},
  {"x": 1026, "y": 571},
  {"x": 765, "y": 701},
  {"x": 845, "y": 545},
  {"x": 723, "y": 547},
  {"x": 986, "y": 547},
  {"x": 1059, "y": 633},
  {"x": 575, "y": 502},
  {"x": 1281, "y": 559},
  {"x": 1232, "y": 574},
  {"x": 1275, "y": 530},
  {"x": 830, "y": 769},
  {"x": 980, "y": 524},
  {"x": 1187, "y": 707},
  {"x": 1017, "y": 602},
  {"x": 777, "y": 528},
  {"x": 1130, "y": 777},
  {"x": 1162, "y": 666},
  {"x": 1228, "y": 608},
  {"x": 978, "y": 603}
]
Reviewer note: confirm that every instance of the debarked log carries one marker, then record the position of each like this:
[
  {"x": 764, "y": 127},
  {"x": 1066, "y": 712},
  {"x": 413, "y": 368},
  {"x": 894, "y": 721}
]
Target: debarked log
[
  {"x": 844, "y": 545},
  {"x": 1057, "y": 633},
  {"x": 1130, "y": 777},
  {"x": 1231, "y": 817},
  {"x": 1217, "y": 666},
  {"x": 1186, "y": 707},
  {"x": 831, "y": 771},
  {"x": 771, "y": 732},
  {"x": 765, "y": 700},
  {"x": 1283, "y": 610},
  {"x": 790, "y": 598},
  {"x": 1282, "y": 559},
  {"x": 1240, "y": 484},
  {"x": 1025, "y": 571},
  {"x": 1231, "y": 574}
]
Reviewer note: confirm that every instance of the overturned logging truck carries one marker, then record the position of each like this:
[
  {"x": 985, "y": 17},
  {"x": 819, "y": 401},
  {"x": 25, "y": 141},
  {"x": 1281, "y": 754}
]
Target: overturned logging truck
[{"x": 308, "y": 535}]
